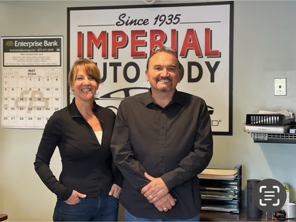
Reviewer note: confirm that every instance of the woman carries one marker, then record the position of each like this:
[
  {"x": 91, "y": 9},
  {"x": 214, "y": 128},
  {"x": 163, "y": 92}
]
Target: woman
[{"x": 89, "y": 184}]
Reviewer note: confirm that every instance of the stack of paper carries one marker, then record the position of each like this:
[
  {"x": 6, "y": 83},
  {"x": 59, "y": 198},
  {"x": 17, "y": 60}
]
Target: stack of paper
[
  {"x": 218, "y": 174},
  {"x": 220, "y": 195}
]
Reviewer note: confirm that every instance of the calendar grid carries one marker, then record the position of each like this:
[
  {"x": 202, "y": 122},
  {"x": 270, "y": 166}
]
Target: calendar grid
[{"x": 30, "y": 96}]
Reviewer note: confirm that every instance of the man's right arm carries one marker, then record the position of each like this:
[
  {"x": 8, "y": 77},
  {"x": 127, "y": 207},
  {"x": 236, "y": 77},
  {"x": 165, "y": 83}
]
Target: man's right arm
[{"x": 123, "y": 154}]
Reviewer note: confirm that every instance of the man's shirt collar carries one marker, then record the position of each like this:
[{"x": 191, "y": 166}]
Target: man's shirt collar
[{"x": 176, "y": 98}]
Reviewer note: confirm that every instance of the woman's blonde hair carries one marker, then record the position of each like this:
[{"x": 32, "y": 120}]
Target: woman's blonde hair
[{"x": 90, "y": 68}]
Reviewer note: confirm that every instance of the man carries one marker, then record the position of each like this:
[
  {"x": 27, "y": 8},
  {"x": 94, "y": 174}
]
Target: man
[{"x": 161, "y": 140}]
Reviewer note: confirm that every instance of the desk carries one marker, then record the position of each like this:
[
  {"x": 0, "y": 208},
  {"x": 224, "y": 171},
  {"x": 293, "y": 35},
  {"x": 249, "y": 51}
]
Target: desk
[
  {"x": 3, "y": 217},
  {"x": 221, "y": 216}
]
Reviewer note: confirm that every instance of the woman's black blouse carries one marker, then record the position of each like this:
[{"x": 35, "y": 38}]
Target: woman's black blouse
[{"x": 87, "y": 165}]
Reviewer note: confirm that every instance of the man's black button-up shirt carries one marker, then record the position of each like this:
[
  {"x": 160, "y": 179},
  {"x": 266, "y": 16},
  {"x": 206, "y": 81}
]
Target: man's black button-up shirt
[{"x": 174, "y": 143}]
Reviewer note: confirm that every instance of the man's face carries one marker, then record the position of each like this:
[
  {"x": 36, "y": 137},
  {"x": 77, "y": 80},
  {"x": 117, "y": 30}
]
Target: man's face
[{"x": 163, "y": 72}]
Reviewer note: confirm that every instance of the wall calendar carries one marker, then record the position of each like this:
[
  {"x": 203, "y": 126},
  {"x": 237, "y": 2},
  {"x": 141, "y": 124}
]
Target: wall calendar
[{"x": 32, "y": 80}]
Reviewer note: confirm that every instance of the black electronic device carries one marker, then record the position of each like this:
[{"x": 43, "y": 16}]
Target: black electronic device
[{"x": 252, "y": 209}]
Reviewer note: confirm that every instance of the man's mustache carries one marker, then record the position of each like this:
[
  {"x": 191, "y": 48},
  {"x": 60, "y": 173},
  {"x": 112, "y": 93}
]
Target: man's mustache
[{"x": 163, "y": 78}]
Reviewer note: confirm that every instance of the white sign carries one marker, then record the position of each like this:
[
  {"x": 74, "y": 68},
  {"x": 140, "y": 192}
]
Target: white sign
[
  {"x": 32, "y": 80},
  {"x": 119, "y": 39}
]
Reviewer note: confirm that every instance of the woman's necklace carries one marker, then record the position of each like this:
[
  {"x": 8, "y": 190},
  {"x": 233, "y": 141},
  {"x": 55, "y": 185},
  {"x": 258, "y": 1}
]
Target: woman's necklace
[{"x": 88, "y": 119}]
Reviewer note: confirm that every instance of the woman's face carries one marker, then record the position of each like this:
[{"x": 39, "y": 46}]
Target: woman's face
[{"x": 84, "y": 86}]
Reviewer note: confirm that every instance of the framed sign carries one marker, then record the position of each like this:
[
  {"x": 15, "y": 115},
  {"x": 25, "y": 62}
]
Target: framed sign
[{"x": 118, "y": 39}]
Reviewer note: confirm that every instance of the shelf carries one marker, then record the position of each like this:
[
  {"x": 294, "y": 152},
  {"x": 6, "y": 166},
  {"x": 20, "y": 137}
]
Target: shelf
[
  {"x": 274, "y": 138},
  {"x": 215, "y": 193}
]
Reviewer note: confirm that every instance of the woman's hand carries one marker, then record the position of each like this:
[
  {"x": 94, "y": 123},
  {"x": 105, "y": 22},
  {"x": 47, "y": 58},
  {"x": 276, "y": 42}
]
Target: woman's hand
[
  {"x": 75, "y": 198},
  {"x": 115, "y": 191}
]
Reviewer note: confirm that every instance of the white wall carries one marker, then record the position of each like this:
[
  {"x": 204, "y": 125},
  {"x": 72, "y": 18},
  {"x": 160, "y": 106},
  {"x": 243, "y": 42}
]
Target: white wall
[{"x": 264, "y": 48}]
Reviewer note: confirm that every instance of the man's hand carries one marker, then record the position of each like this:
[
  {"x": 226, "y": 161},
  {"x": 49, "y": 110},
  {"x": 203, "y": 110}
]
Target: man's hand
[
  {"x": 115, "y": 191},
  {"x": 155, "y": 190},
  {"x": 166, "y": 203},
  {"x": 75, "y": 197}
]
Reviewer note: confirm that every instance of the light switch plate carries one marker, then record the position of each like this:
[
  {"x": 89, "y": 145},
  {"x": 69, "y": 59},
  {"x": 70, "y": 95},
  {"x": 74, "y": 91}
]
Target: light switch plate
[{"x": 280, "y": 87}]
